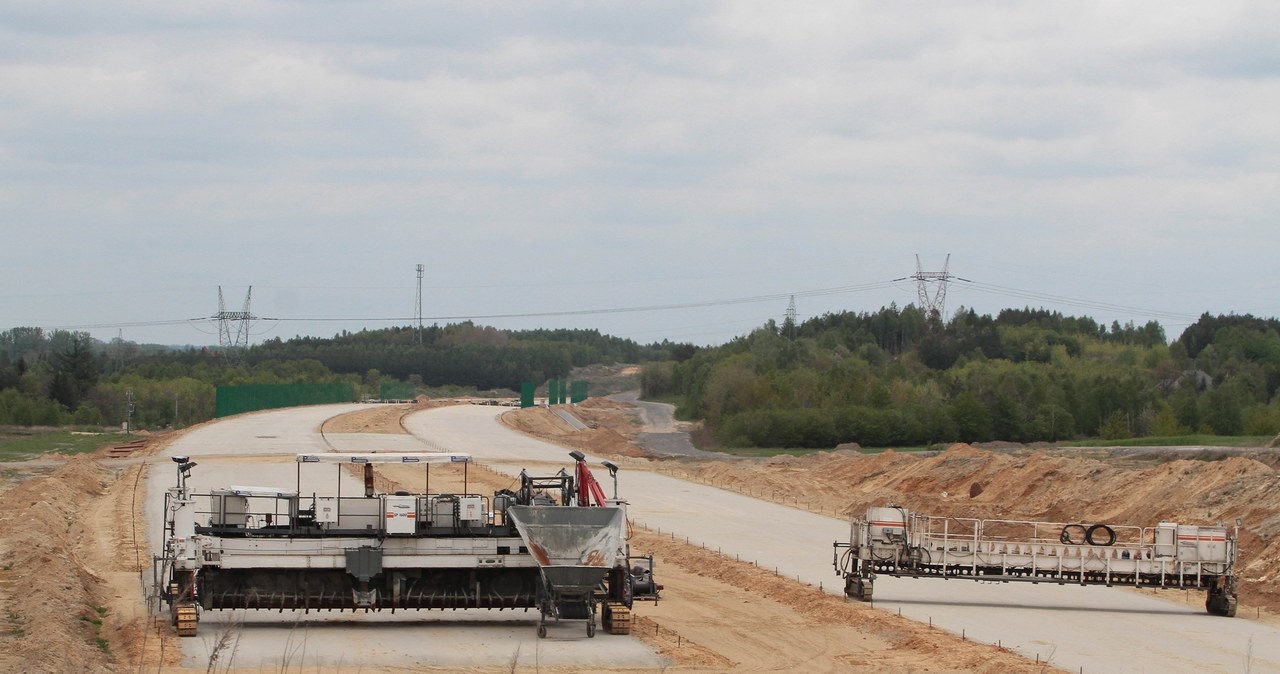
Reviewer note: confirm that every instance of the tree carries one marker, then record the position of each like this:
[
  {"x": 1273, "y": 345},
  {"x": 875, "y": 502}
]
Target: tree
[
  {"x": 1222, "y": 410},
  {"x": 972, "y": 420},
  {"x": 75, "y": 372},
  {"x": 1165, "y": 422},
  {"x": 1116, "y": 426},
  {"x": 1007, "y": 419}
]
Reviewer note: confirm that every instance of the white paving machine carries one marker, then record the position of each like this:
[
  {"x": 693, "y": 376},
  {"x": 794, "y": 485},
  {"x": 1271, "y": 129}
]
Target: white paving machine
[
  {"x": 892, "y": 541},
  {"x": 556, "y": 545}
]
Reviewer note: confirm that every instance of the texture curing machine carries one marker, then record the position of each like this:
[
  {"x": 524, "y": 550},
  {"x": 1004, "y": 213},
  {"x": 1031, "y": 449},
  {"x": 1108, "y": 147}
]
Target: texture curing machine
[
  {"x": 556, "y": 545},
  {"x": 892, "y": 541}
]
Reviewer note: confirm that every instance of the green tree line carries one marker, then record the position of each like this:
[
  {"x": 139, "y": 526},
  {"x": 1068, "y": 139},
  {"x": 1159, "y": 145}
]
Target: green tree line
[
  {"x": 60, "y": 377},
  {"x": 893, "y": 377},
  {"x": 889, "y": 377}
]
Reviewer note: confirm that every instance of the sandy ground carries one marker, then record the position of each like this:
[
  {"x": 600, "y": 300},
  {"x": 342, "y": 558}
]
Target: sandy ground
[{"x": 72, "y": 565}]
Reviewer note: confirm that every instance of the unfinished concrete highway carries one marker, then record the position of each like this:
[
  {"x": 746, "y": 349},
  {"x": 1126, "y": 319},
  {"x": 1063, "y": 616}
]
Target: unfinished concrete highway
[
  {"x": 1088, "y": 629},
  {"x": 1092, "y": 629}
]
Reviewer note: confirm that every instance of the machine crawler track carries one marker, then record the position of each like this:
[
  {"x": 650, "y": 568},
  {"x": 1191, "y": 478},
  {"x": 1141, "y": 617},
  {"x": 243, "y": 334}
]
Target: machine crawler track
[
  {"x": 186, "y": 619},
  {"x": 617, "y": 618}
]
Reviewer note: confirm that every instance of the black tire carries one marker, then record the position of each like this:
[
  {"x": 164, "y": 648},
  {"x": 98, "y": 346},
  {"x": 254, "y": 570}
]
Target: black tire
[
  {"x": 591, "y": 630},
  {"x": 1094, "y": 540},
  {"x": 542, "y": 631},
  {"x": 1067, "y": 537}
]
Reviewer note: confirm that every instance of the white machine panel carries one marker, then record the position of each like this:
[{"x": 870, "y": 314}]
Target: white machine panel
[
  {"x": 471, "y": 509},
  {"x": 401, "y": 514},
  {"x": 229, "y": 508},
  {"x": 326, "y": 510}
]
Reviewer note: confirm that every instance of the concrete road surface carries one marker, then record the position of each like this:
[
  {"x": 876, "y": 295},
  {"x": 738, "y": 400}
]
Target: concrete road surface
[
  {"x": 1088, "y": 629},
  {"x": 258, "y": 450},
  {"x": 661, "y": 434}
]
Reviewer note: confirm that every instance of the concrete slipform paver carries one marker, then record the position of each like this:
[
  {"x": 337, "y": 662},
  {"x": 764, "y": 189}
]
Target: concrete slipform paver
[
  {"x": 259, "y": 450},
  {"x": 1088, "y": 629}
]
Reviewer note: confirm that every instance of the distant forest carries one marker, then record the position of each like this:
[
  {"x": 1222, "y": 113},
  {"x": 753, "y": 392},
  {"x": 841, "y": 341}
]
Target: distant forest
[
  {"x": 894, "y": 377},
  {"x": 63, "y": 378}
]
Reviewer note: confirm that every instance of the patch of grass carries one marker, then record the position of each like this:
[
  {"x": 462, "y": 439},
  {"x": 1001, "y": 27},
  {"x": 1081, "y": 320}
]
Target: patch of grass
[
  {"x": 801, "y": 451},
  {"x": 1178, "y": 441},
  {"x": 22, "y": 444},
  {"x": 17, "y": 625},
  {"x": 102, "y": 643},
  {"x": 1229, "y": 441}
]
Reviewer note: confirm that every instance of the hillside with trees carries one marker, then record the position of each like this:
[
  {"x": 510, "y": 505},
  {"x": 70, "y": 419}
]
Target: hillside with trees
[{"x": 896, "y": 378}]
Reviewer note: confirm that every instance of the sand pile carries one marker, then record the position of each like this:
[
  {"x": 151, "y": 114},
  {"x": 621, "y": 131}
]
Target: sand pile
[
  {"x": 53, "y": 614},
  {"x": 597, "y": 438}
]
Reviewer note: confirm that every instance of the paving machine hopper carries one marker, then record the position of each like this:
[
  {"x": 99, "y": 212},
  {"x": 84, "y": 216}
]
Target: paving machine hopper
[{"x": 575, "y": 547}]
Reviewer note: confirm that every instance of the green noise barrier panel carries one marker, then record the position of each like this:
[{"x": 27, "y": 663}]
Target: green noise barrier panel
[{"x": 238, "y": 399}]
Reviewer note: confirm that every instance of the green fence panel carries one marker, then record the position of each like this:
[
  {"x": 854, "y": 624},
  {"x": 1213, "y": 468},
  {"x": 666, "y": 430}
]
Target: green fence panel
[
  {"x": 577, "y": 391},
  {"x": 526, "y": 394},
  {"x": 396, "y": 390},
  {"x": 553, "y": 392},
  {"x": 238, "y": 399}
]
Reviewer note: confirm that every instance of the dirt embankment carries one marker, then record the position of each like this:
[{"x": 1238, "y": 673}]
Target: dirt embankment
[
  {"x": 1050, "y": 485},
  {"x": 63, "y": 553},
  {"x": 381, "y": 418},
  {"x": 611, "y": 427}
]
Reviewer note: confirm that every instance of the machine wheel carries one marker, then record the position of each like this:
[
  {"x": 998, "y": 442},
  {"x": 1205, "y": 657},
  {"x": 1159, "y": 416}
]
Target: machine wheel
[
  {"x": 591, "y": 629},
  {"x": 617, "y": 618},
  {"x": 542, "y": 631},
  {"x": 186, "y": 619},
  {"x": 1221, "y": 604},
  {"x": 858, "y": 588}
]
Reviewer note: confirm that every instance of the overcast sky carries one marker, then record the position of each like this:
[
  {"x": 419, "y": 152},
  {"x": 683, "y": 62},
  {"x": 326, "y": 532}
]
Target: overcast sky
[{"x": 1112, "y": 159}]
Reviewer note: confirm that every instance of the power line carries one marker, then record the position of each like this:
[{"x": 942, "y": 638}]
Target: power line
[
  {"x": 1070, "y": 301},
  {"x": 127, "y": 324},
  {"x": 622, "y": 310},
  {"x": 979, "y": 286}
]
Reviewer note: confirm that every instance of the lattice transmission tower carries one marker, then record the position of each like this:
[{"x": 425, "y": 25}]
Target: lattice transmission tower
[
  {"x": 417, "y": 315},
  {"x": 933, "y": 303},
  {"x": 239, "y": 319},
  {"x": 789, "y": 323}
]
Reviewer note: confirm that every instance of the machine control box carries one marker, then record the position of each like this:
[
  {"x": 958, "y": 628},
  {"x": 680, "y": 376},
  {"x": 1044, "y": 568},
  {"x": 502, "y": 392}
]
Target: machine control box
[
  {"x": 326, "y": 510},
  {"x": 401, "y": 514},
  {"x": 471, "y": 510}
]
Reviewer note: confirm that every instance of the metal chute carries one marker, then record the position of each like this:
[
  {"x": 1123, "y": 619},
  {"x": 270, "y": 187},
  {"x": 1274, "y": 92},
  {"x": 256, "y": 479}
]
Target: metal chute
[{"x": 575, "y": 548}]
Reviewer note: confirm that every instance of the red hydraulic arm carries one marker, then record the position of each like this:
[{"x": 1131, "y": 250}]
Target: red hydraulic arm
[{"x": 588, "y": 488}]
